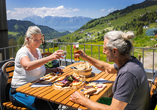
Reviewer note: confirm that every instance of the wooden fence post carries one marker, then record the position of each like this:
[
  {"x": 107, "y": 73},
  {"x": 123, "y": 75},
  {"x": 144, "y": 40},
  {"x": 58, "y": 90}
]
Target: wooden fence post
[{"x": 139, "y": 57}]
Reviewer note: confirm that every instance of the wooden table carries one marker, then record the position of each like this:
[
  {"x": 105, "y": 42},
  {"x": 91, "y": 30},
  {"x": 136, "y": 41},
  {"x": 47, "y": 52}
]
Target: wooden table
[{"x": 63, "y": 97}]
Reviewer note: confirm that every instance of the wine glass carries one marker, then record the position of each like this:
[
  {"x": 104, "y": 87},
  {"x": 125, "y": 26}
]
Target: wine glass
[{"x": 63, "y": 47}]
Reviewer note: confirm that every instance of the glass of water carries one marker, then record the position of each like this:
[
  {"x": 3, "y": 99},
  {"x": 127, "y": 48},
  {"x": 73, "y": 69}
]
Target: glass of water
[
  {"x": 82, "y": 76},
  {"x": 63, "y": 47}
]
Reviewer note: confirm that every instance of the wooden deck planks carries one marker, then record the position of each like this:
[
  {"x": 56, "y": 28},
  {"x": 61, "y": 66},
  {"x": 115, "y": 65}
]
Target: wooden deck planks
[
  {"x": 65, "y": 96},
  {"x": 44, "y": 89}
]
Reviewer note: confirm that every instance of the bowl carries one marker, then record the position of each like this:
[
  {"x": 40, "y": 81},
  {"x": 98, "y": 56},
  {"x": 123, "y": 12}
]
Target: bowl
[{"x": 87, "y": 73}]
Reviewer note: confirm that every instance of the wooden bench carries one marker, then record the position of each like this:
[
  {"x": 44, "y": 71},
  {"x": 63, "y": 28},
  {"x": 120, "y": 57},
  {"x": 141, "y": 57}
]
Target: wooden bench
[
  {"x": 153, "y": 87},
  {"x": 6, "y": 78},
  {"x": 153, "y": 90}
]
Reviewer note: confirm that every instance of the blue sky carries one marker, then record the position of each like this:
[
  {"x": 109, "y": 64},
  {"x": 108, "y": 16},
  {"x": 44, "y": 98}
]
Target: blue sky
[{"x": 19, "y": 9}]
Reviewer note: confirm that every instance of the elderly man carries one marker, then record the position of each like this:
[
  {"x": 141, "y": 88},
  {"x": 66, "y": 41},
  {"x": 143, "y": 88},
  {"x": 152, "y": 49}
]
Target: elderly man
[{"x": 131, "y": 88}]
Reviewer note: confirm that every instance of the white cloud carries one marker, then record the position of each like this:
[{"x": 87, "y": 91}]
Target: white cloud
[
  {"x": 20, "y": 13},
  {"x": 112, "y": 9},
  {"x": 102, "y": 9}
]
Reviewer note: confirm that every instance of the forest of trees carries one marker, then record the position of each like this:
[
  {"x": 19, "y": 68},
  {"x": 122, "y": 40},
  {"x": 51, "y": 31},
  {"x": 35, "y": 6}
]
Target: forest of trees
[{"x": 144, "y": 20}]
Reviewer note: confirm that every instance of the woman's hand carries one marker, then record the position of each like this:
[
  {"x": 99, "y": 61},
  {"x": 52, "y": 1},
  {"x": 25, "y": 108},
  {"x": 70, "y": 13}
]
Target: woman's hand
[
  {"x": 78, "y": 97},
  {"x": 57, "y": 54}
]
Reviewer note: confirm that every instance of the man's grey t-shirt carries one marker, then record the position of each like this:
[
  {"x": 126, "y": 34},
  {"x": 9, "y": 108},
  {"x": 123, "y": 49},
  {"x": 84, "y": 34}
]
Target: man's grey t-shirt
[{"x": 131, "y": 85}]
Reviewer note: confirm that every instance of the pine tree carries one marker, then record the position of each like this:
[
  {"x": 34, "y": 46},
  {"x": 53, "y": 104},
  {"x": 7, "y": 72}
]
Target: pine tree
[
  {"x": 140, "y": 30},
  {"x": 20, "y": 41}
]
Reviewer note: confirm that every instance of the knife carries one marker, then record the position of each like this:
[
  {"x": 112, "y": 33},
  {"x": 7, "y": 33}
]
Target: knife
[{"x": 100, "y": 81}]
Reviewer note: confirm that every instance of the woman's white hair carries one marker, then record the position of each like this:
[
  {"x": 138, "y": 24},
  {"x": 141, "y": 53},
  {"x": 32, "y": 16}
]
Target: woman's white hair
[
  {"x": 32, "y": 30},
  {"x": 120, "y": 40}
]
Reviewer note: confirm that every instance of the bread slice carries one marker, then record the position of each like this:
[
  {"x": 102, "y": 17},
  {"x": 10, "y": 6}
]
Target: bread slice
[
  {"x": 90, "y": 91},
  {"x": 48, "y": 80}
]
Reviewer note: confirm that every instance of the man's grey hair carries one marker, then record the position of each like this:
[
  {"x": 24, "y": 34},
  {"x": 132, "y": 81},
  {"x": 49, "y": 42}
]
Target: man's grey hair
[{"x": 120, "y": 40}]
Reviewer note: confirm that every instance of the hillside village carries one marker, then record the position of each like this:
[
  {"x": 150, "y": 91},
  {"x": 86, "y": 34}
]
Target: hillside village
[{"x": 92, "y": 35}]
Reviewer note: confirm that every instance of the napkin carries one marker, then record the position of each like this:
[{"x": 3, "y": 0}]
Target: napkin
[
  {"x": 102, "y": 81},
  {"x": 95, "y": 70},
  {"x": 41, "y": 85}
]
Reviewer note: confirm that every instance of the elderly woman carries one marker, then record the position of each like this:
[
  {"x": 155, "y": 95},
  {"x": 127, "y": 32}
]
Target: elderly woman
[
  {"x": 29, "y": 66},
  {"x": 130, "y": 89}
]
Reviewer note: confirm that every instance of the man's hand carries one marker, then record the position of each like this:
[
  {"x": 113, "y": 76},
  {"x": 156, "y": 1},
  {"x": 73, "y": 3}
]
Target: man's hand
[
  {"x": 78, "y": 97},
  {"x": 81, "y": 54}
]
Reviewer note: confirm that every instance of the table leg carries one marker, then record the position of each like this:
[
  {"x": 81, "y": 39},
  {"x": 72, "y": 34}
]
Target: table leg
[{"x": 49, "y": 103}]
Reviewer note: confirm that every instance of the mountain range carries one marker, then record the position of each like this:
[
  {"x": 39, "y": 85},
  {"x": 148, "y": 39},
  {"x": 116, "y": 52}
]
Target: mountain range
[
  {"x": 17, "y": 28},
  {"x": 59, "y": 23}
]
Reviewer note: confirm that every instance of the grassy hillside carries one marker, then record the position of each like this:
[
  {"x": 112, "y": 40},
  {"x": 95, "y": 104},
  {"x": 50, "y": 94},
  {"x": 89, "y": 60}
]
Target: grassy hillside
[
  {"x": 100, "y": 25},
  {"x": 132, "y": 15},
  {"x": 139, "y": 41},
  {"x": 13, "y": 33}
]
